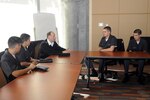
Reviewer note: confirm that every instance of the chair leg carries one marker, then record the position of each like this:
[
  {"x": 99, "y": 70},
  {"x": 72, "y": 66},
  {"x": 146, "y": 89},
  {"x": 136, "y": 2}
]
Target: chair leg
[
  {"x": 83, "y": 77},
  {"x": 134, "y": 72},
  {"x": 115, "y": 75}
]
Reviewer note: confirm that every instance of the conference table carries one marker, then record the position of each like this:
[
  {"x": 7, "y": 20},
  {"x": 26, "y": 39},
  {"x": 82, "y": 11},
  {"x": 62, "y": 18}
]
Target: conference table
[
  {"x": 114, "y": 55},
  {"x": 57, "y": 83},
  {"x": 76, "y": 57}
]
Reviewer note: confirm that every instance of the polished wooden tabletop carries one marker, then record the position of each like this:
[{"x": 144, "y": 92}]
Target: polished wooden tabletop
[
  {"x": 56, "y": 84},
  {"x": 118, "y": 55},
  {"x": 75, "y": 57}
]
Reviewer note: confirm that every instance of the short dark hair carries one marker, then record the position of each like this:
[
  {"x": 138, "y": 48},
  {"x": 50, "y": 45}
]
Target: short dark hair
[
  {"x": 14, "y": 40},
  {"x": 24, "y": 37},
  {"x": 49, "y": 33},
  {"x": 139, "y": 31},
  {"x": 108, "y": 28}
]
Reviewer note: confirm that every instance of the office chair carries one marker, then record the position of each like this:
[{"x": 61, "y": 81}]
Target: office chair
[
  {"x": 37, "y": 50},
  {"x": 114, "y": 74},
  {"x": 2, "y": 78},
  {"x": 34, "y": 48},
  {"x": 1, "y": 53}
]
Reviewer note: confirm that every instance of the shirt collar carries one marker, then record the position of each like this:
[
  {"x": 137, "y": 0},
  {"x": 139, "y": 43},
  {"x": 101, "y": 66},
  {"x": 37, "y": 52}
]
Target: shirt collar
[
  {"x": 137, "y": 42},
  {"x": 22, "y": 47},
  {"x": 11, "y": 54},
  {"x": 50, "y": 43},
  {"x": 106, "y": 38},
  {"x": 14, "y": 56}
]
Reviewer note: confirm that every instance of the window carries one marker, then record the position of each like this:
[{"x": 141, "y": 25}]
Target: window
[{"x": 14, "y": 20}]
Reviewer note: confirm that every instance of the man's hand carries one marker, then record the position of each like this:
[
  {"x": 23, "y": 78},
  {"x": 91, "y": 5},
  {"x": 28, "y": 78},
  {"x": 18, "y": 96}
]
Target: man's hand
[
  {"x": 32, "y": 65},
  {"x": 35, "y": 62}
]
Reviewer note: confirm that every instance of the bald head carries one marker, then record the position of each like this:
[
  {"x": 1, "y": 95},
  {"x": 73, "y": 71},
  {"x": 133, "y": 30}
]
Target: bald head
[{"x": 51, "y": 36}]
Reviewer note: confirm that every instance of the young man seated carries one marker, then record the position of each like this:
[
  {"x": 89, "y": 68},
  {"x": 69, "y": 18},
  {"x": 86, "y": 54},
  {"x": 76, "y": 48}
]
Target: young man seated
[
  {"x": 107, "y": 43},
  {"x": 9, "y": 62},
  {"x": 24, "y": 55},
  {"x": 135, "y": 44}
]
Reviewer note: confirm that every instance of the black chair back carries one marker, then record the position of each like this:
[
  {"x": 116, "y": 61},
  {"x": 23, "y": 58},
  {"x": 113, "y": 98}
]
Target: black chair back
[
  {"x": 2, "y": 78},
  {"x": 33, "y": 48},
  {"x": 1, "y": 53},
  {"x": 120, "y": 45}
]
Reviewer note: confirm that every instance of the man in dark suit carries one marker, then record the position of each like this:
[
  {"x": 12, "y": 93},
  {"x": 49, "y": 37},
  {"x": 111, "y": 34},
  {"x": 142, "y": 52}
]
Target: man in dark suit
[
  {"x": 24, "y": 55},
  {"x": 9, "y": 62},
  {"x": 49, "y": 46},
  {"x": 135, "y": 44}
]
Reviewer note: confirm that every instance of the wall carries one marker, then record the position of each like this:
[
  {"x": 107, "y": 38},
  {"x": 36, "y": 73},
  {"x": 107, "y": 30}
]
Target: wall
[
  {"x": 77, "y": 24},
  {"x": 43, "y": 23},
  {"x": 75, "y": 21},
  {"x": 122, "y": 15}
]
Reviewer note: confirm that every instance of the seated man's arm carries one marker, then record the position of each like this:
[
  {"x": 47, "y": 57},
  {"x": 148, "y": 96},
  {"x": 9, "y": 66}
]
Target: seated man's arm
[
  {"x": 59, "y": 48},
  {"x": 34, "y": 60},
  {"x": 24, "y": 63},
  {"x": 113, "y": 45},
  {"x": 20, "y": 72},
  {"x": 108, "y": 49},
  {"x": 13, "y": 70},
  {"x": 23, "y": 58}
]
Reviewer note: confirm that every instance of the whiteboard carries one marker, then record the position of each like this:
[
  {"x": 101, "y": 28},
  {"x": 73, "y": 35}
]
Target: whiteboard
[{"x": 43, "y": 23}]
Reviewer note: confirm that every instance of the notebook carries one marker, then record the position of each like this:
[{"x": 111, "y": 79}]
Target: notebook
[
  {"x": 41, "y": 68},
  {"x": 47, "y": 60},
  {"x": 64, "y": 54}
]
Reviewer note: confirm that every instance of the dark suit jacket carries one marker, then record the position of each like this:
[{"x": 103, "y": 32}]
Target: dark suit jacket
[
  {"x": 9, "y": 64},
  {"x": 133, "y": 46},
  {"x": 23, "y": 55},
  {"x": 47, "y": 50},
  {"x": 112, "y": 41}
]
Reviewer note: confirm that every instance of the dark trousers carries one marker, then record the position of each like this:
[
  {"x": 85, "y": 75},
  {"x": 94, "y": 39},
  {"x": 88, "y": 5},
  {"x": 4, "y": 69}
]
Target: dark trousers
[
  {"x": 140, "y": 66},
  {"x": 89, "y": 64},
  {"x": 101, "y": 67}
]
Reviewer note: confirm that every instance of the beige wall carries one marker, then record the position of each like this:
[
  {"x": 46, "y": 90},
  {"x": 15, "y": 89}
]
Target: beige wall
[{"x": 122, "y": 15}]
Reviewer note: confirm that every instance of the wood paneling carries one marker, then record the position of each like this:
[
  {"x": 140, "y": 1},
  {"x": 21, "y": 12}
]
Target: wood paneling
[
  {"x": 133, "y": 6},
  {"x": 128, "y": 23},
  {"x": 132, "y": 14},
  {"x": 105, "y": 6},
  {"x": 148, "y": 6},
  {"x": 148, "y": 27}
]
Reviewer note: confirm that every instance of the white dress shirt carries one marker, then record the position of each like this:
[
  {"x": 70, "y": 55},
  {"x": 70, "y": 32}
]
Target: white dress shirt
[{"x": 50, "y": 43}]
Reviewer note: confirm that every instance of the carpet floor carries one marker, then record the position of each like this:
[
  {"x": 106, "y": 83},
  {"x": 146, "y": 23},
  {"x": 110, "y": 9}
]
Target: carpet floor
[{"x": 112, "y": 89}]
